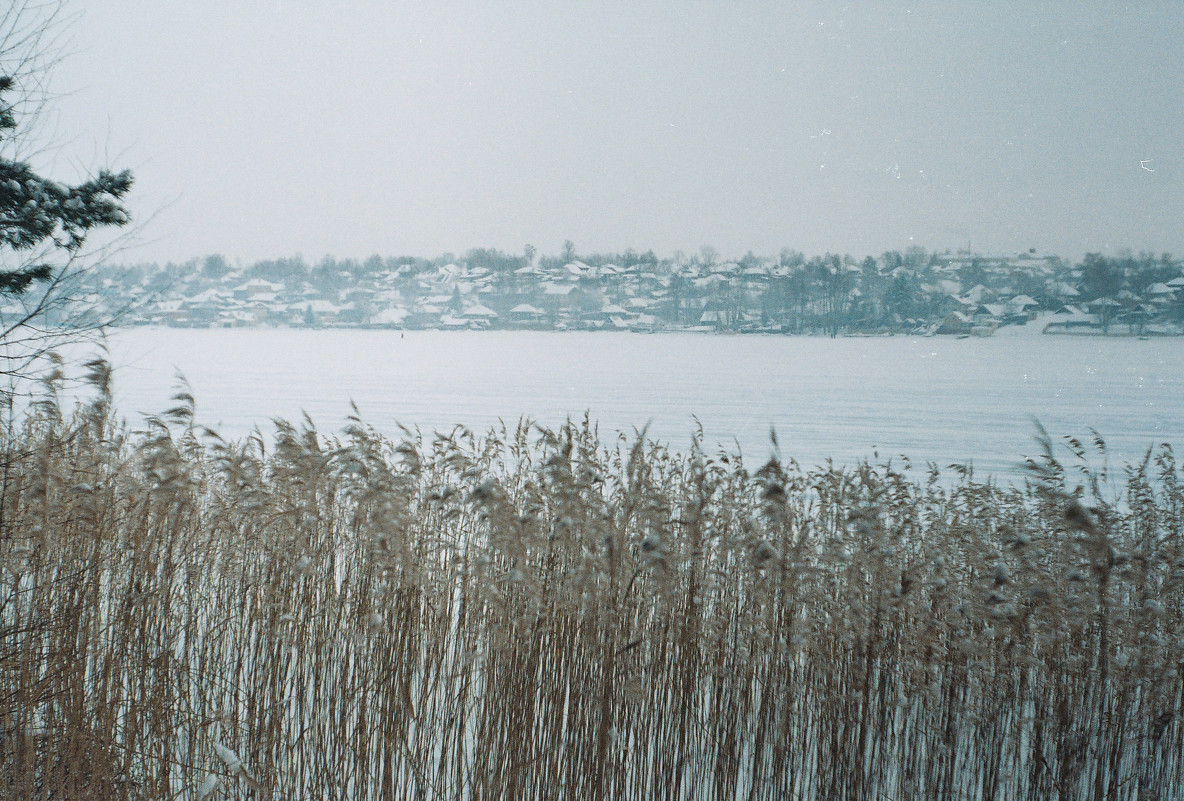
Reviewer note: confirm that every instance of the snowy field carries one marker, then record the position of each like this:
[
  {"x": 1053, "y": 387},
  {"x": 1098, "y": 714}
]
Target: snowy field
[{"x": 934, "y": 399}]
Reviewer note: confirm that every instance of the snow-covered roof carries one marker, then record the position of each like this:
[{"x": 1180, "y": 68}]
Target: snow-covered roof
[
  {"x": 209, "y": 296},
  {"x": 477, "y": 310},
  {"x": 391, "y": 316},
  {"x": 258, "y": 285},
  {"x": 319, "y": 306}
]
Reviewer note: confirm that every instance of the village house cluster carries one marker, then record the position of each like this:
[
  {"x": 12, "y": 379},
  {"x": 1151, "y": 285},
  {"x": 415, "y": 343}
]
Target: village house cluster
[{"x": 911, "y": 292}]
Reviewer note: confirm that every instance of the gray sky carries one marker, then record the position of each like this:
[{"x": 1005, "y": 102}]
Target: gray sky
[{"x": 261, "y": 129}]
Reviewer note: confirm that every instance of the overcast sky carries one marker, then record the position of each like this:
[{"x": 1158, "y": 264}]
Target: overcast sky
[{"x": 260, "y": 129}]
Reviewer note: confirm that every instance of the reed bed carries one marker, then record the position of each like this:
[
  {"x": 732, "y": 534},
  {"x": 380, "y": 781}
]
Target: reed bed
[{"x": 537, "y": 613}]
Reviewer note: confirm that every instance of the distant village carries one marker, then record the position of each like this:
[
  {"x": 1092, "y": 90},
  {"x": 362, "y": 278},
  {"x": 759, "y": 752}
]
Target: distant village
[{"x": 909, "y": 292}]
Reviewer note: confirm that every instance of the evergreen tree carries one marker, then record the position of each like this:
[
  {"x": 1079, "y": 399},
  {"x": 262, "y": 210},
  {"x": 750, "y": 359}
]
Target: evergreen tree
[
  {"x": 41, "y": 219},
  {"x": 43, "y": 227}
]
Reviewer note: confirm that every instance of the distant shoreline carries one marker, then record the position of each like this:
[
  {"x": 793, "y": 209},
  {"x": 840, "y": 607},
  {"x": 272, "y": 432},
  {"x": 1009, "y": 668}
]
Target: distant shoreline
[
  {"x": 957, "y": 294},
  {"x": 1046, "y": 328}
]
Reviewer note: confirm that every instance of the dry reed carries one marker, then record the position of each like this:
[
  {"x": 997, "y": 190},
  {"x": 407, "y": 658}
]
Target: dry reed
[{"x": 539, "y": 614}]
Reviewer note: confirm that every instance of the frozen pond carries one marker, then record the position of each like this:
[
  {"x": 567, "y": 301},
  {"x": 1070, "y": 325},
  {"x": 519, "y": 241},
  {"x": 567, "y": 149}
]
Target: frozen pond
[{"x": 934, "y": 399}]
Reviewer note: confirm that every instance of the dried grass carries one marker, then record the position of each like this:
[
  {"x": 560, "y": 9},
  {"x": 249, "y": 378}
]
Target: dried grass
[{"x": 539, "y": 614}]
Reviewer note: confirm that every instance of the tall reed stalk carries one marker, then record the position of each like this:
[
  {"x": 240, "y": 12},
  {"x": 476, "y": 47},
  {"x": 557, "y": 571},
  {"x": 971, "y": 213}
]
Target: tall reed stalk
[{"x": 543, "y": 614}]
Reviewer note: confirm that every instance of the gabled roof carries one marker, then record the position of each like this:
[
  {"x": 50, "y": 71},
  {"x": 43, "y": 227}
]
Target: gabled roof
[
  {"x": 209, "y": 296},
  {"x": 477, "y": 310}
]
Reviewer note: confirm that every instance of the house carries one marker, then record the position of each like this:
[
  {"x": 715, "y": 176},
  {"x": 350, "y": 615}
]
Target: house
[
  {"x": 947, "y": 304},
  {"x": 1105, "y": 309},
  {"x": 451, "y": 322},
  {"x": 988, "y": 315},
  {"x": 577, "y": 269},
  {"x": 526, "y": 315},
  {"x": 478, "y": 316},
  {"x": 955, "y": 323},
  {"x": 1069, "y": 319},
  {"x": 645, "y": 323},
  {"x": 172, "y": 313},
  {"x": 392, "y": 317},
  {"x": 423, "y": 315},
  {"x": 556, "y": 296},
  {"x": 978, "y": 294},
  {"x": 237, "y": 318},
  {"x": 314, "y": 312},
  {"x": 253, "y": 287},
  {"x": 1023, "y": 306},
  {"x": 1060, "y": 289},
  {"x": 1161, "y": 292}
]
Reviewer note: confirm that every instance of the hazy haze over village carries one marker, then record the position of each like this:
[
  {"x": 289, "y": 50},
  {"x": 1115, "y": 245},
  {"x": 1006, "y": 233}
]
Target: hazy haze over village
[{"x": 264, "y": 130}]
